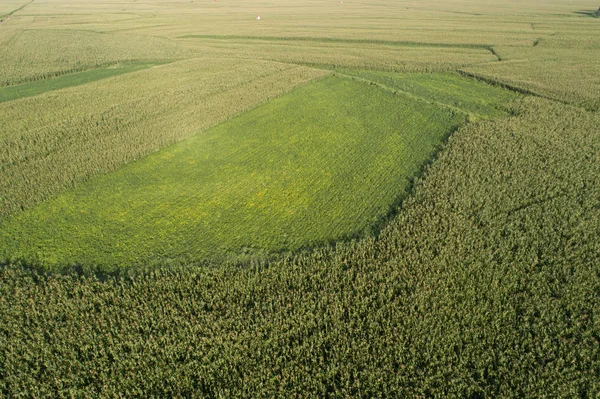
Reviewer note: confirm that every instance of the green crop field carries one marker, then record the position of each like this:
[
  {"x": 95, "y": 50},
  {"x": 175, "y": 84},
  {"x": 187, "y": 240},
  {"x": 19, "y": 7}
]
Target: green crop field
[
  {"x": 60, "y": 139},
  {"x": 355, "y": 198},
  {"x": 296, "y": 172},
  {"x": 466, "y": 95}
]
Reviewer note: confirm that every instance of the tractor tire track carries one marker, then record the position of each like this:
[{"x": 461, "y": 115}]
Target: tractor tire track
[{"x": 13, "y": 12}]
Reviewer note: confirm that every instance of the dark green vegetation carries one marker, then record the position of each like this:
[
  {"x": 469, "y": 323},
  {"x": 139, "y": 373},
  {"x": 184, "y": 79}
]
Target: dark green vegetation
[
  {"x": 486, "y": 284},
  {"x": 34, "y": 88},
  {"x": 335, "y": 40},
  {"x": 325, "y": 162}
]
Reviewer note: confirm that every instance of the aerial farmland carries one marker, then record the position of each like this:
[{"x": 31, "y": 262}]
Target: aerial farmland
[{"x": 359, "y": 198}]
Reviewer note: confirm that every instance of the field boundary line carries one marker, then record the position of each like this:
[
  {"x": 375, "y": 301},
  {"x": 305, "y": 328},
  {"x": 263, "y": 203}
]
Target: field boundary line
[
  {"x": 495, "y": 82},
  {"x": 119, "y": 67},
  {"x": 405, "y": 93},
  {"x": 493, "y": 51},
  {"x": 405, "y": 43},
  {"x": 522, "y": 90},
  {"x": 10, "y": 14},
  {"x": 540, "y": 201},
  {"x": 65, "y": 72}
]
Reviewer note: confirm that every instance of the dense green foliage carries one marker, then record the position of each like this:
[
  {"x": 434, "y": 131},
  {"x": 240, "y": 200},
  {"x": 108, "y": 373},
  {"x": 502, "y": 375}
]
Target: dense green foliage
[
  {"x": 29, "y": 89},
  {"x": 485, "y": 285},
  {"x": 298, "y": 171}
]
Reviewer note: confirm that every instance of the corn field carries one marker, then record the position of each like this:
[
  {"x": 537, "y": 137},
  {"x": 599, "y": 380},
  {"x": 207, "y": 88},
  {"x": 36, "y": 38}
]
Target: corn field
[{"x": 477, "y": 275}]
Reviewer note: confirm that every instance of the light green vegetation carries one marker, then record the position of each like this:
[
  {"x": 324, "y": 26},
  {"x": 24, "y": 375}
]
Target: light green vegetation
[
  {"x": 75, "y": 79},
  {"x": 464, "y": 94},
  {"x": 322, "y": 163},
  {"x": 57, "y": 140}
]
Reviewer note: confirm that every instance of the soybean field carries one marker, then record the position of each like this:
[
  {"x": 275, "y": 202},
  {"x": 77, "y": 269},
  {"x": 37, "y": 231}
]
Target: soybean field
[{"x": 293, "y": 173}]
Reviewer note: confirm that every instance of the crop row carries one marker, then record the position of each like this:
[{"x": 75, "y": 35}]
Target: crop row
[
  {"x": 392, "y": 58},
  {"x": 30, "y": 55},
  {"x": 60, "y": 139},
  {"x": 293, "y": 173},
  {"x": 485, "y": 284}
]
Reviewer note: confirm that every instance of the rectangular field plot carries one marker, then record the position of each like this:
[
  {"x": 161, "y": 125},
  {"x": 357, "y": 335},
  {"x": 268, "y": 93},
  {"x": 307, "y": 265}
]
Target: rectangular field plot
[
  {"x": 326, "y": 161},
  {"x": 446, "y": 89}
]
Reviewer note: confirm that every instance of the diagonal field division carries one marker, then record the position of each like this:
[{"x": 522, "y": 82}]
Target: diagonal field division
[
  {"x": 325, "y": 162},
  {"x": 30, "y": 89}
]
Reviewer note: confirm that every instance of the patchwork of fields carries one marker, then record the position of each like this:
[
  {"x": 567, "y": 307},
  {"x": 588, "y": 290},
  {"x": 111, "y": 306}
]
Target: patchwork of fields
[
  {"x": 30, "y": 89},
  {"x": 339, "y": 199},
  {"x": 325, "y": 162},
  {"x": 60, "y": 139}
]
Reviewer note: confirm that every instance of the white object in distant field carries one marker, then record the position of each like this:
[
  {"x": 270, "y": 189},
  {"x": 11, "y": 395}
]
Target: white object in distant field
[{"x": 258, "y": 17}]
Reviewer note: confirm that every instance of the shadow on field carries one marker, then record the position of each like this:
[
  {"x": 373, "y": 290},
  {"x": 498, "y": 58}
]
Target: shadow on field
[{"x": 589, "y": 13}]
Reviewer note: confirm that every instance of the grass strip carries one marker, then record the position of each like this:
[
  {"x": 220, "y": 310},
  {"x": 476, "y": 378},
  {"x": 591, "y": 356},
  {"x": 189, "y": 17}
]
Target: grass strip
[{"x": 34, "y": 88}]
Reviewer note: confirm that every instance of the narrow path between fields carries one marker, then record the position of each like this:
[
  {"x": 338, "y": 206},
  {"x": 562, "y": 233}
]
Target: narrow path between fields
[
  {"x": 406, "y": 93},
  {"x": 10, "y": 14},
  {"x": 402, "y": 43}
]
